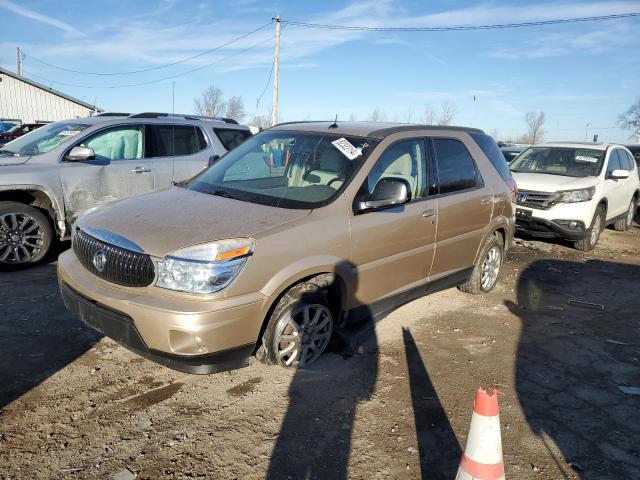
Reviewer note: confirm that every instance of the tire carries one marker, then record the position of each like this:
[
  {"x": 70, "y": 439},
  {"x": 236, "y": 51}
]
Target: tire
[
  {"x": 287, "y": 341},
  {"x": 486, "y": 269},
  {"x": 26, "y": 235},
  {"x": 597, "y": 226},
  {"x": 625, "y": 224}
]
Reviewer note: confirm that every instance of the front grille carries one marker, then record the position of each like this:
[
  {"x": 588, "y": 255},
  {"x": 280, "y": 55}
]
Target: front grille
[
  {"x": 541, "y": 200},
  {"x": 122, "y": 266}
]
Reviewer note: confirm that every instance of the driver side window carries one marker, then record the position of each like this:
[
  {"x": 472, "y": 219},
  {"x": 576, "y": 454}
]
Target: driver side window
[
  {"x": 404, "y": 160},
  {"x": 119, "y": 143},
  {"x": 614, "y": 162}
]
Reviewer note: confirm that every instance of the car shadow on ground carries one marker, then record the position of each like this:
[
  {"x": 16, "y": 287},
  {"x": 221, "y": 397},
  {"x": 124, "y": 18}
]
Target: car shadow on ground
[
  {"x": 38, "y": 336},
  {"x": 316, "y": 436},
  {"x": 572, "y": 359}
]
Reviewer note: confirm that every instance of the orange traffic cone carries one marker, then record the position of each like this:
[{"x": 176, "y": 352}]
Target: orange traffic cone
[{"x": 482, "y": 458}]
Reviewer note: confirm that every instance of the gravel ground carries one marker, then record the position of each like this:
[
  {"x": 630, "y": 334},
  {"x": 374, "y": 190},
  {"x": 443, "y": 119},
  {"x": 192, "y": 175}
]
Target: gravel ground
[{"x": 73, "y": 405}]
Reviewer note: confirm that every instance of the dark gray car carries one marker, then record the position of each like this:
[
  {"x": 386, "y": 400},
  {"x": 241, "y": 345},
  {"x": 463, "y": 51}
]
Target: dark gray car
[{"x": 50, "y": 176}]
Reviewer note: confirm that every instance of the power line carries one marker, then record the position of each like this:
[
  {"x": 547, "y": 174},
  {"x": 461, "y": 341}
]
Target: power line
[
  {"x": 159, "y": 79},
  {"x": 462, "y": 27},
  {"x": 158, "y": 67}
]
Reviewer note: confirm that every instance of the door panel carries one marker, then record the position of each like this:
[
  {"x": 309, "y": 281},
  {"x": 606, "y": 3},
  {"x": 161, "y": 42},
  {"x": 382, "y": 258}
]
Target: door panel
[
  {"x": 118, "y": 171},
  {"x": 393, "y": 248},
  {"x": 465, "y": 206}
]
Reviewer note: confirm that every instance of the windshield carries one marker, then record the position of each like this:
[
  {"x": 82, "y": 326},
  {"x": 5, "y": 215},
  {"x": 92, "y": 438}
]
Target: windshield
[
  {"x": 286, "y": 169},
  {"x": 44, "y": 139},
  {"x": 568, "y": 162}
]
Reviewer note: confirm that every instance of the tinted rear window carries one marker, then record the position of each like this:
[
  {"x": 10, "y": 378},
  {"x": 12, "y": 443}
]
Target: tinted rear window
[
  {"x": 456, "y": 169},
  {"x": 170, "y": 140},
  {"x": 493, "y": 153},
  {"x": 231, "y": 138}
]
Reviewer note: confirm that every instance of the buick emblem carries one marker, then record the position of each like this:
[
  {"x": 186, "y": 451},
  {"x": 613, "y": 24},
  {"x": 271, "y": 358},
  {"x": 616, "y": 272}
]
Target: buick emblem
[
  {"x": 100, "y": 260},
  {"x": 521, "y": 197}
]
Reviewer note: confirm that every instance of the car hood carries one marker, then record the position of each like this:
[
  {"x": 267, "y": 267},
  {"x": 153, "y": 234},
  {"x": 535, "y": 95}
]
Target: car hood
[
  {"x": 165, "y": 221},
  {"x": 12, "y": 160},
  {"x": 541, "y": 182}
]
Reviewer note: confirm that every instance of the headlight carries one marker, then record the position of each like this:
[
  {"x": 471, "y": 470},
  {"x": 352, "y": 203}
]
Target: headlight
[
  {"x": 204, "y": 268},
  {"x": 572, "y": 196}
]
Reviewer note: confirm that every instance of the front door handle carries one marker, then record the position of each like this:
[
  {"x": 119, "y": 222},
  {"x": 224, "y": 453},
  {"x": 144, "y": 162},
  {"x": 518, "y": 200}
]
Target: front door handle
[
  {"x": 486, "y": 200},
  {"x": 141, "y": 170},
  {"x": 430, "y": 215}
]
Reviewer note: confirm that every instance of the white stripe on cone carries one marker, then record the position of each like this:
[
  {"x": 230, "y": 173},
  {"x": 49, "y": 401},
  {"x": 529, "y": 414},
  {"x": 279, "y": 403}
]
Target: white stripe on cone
[{"x": 484, "y": 446}]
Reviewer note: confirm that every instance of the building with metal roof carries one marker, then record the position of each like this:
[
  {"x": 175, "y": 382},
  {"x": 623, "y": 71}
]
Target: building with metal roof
[{"x": 27, "y": 101}]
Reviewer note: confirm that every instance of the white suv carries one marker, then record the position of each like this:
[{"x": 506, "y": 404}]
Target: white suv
[{"x": 574, "y": 190}]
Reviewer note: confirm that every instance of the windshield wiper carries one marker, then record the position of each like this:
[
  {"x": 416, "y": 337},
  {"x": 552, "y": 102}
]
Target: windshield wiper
[
  {"x": 222, "y": 193},
  {"x": 5, "y": 152}
]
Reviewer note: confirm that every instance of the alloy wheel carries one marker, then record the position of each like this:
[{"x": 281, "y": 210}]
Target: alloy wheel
[
  {"x": 630, "y": 214},
  {"x": 302, "y": 334},
  {"x": 595, "y": 229},
  {"x": 21, "y": 238},
  {"x": 490, "y": 268}
]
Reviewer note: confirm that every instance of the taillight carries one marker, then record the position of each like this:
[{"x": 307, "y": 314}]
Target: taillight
[{"x": 511, "y": 183}]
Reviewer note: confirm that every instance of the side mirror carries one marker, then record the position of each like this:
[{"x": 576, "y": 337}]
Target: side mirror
[
  {"x": 213, "y": 159},
  {"x": 618, "y": 175},
  {"x": 78, "y": 154},
  {"x": 388, "y": 192}
]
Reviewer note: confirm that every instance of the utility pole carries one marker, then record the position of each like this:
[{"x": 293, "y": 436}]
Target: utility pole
[
  {"x": 276, "y": 72},
  {"x": 18, "y": 62},
  {"x": 586, "y": 130}
]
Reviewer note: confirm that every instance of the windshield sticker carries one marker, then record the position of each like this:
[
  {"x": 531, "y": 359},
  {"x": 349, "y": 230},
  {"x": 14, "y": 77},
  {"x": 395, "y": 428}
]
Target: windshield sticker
[
  {"x": 347, "y": 149},
  {"x": 582, "y": 158},
  {"x": 69, "y": 133}
]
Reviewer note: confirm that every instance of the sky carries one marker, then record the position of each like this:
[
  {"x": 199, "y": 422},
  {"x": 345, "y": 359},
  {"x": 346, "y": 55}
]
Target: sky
[{"x": 582, "y": 75}]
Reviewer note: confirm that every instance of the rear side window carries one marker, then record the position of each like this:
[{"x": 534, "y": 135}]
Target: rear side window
[
  {"x": 493, "y": 153},
  {"x": 456, "y": 169},
  {"x": 231, "y": 138},
  {"x": 170, "y": 140}
]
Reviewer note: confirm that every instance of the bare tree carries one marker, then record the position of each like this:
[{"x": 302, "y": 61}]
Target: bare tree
[
  {"x": 535, "y": 122},
  {"x": 447, "y": 113},
  {"x": 234, "y": 108},
  {"x": 495, "y": 134},
  {"x": 352, "y": 117},
  {"x": 210, "y": 102},
  {"x": 261, "y": 121},
  {"x": 630, "y": 120},
  {"x": 376, "y": 115},
  {"x": 429, "y": 117},
  {"x": 408, "y": 114}
]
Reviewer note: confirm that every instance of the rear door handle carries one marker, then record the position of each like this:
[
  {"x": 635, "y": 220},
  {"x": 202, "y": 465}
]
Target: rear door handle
[
  {"x": 141, "y": 170},
  {"x": 430, "y": 215},
  {"x": 486, "y": 200}
]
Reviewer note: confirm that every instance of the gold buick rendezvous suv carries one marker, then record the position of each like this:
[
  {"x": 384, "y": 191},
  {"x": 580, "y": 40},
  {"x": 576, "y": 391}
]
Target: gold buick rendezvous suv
[{"x": 300, "y": 229}]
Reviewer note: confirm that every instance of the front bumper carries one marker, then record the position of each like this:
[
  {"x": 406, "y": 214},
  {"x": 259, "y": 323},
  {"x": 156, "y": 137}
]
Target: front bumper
[
  {"x": 541, "y": 228},
  {"x": 193, "y": 336}
]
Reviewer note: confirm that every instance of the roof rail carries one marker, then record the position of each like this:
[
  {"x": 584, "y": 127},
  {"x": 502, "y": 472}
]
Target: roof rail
[
  {"x": 182, "y": 115},
  {"x": 113, "y": 114}
]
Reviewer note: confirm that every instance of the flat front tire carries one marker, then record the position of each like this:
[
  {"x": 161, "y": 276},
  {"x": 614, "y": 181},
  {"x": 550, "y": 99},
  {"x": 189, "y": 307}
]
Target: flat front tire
[
  {"x": 26, "y": 235},
  {"x": 486, "y": 269},
  {"x": 299, "y": 328}
]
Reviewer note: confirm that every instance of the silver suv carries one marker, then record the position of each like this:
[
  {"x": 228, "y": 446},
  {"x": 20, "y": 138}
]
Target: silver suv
[{"x": 50, "y": 176}]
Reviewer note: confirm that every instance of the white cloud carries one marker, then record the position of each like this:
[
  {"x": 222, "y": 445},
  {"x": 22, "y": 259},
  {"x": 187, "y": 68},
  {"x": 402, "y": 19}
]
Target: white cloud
[{"x": 25, "y": 12}]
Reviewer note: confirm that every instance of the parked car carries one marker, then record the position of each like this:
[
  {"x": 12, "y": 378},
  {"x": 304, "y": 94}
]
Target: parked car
[
  {"x": 635, "y": 151},
  {"x": 18, "y": 131},
  {"x": 574, "y": 190},
  {"x": 6, "y": 125},
  {"x": 49, "y": 176},
  {"x": 299, "y": 228},
  {"x": 510, "y": 153}
]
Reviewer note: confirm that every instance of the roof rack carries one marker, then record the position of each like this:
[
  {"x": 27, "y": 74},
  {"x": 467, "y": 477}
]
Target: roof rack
[
  {"x": 113, "y": 114},
  {"x": 182, "y": 116}
]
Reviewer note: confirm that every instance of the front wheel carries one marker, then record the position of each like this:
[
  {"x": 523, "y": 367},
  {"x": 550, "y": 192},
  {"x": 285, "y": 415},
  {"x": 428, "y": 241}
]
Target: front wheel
[
  {"x": 25, "y": 234},
  {"x": 486, "y": 269},
  {"x": 299, "y": 328},
  {"x": 597, "y": 225}
]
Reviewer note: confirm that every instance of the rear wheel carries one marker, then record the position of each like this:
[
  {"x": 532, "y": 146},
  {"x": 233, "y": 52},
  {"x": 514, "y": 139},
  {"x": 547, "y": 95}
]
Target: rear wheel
[
  {"x": 624, "y": 224},
  {"x": 25, "y": 234},
  {"x": 487, "y": 268},
  {"x": 299, "y": 328},
  {"x": 597, "y": 225}
]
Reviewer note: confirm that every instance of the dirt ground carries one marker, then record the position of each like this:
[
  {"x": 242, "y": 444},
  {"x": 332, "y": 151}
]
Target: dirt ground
[{"x": 73, "y": 405}]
